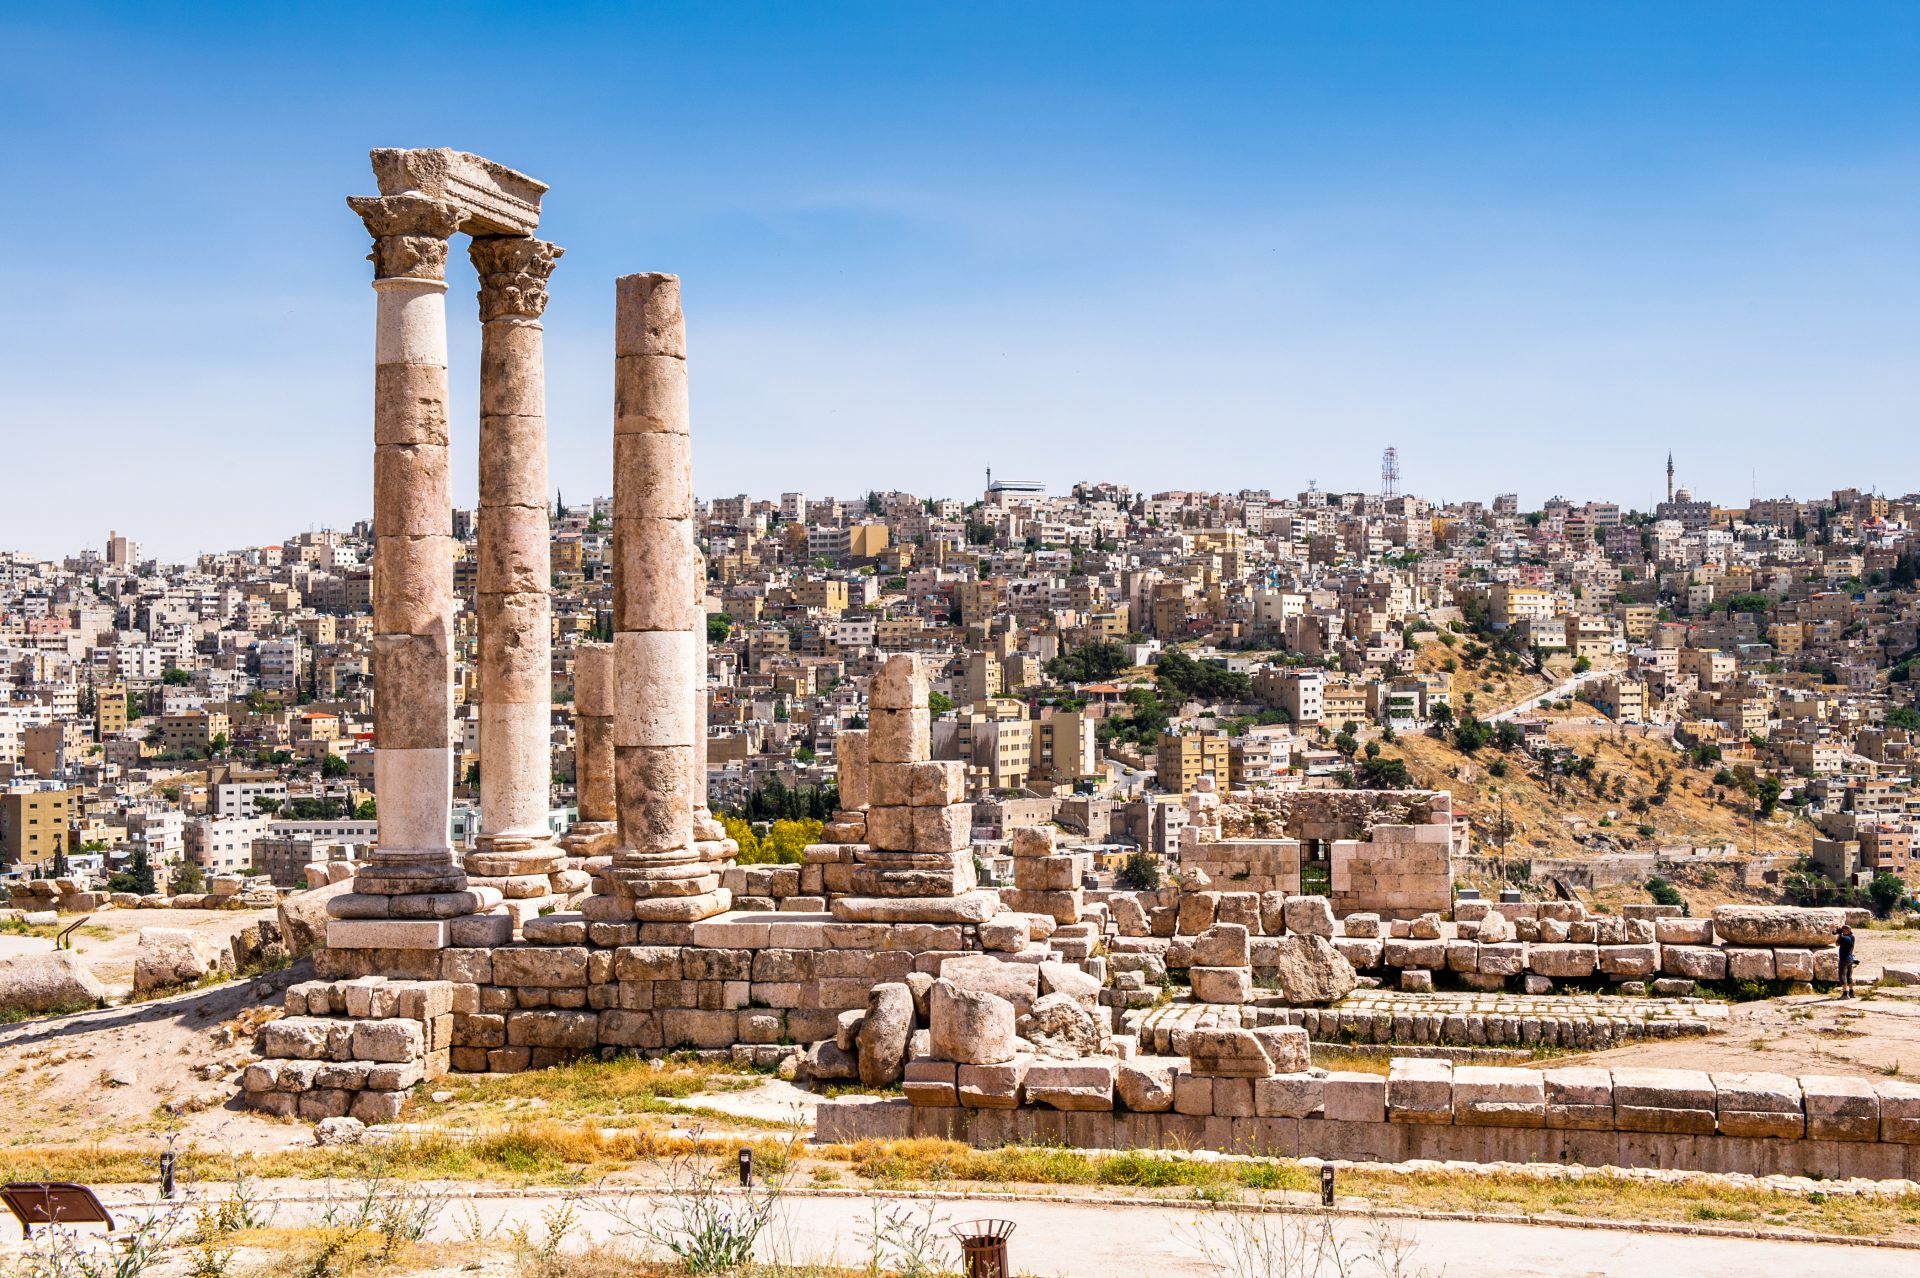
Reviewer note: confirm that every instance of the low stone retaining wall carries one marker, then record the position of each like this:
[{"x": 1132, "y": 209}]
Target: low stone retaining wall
[
  {"x": 758, "y": 980},
  {"x": 1759, "y": 1124},
  {"x": 1589, "y": 1023}
]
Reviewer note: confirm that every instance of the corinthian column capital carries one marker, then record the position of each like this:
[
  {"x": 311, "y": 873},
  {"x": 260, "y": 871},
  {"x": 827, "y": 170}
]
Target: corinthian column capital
[
  {"x": 410, "y": 233},
  {"x": 513, "y": 272}
]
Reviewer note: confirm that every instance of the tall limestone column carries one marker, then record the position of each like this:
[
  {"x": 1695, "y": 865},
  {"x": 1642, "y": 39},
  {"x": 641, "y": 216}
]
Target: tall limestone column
[
  {"x": 514, "y": 849},
  {"x": 657, "y": 870},
  {"x": 593, "y": 833},
  {"x": 413, "y": 882}
]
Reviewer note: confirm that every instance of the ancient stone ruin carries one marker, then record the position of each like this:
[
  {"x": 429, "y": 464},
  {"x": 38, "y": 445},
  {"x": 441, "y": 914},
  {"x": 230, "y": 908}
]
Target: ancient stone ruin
[{"x": 1046, "y": 1011}]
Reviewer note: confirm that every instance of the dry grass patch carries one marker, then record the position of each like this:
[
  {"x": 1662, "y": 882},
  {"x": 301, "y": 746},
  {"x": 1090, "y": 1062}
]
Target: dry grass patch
[
  {"x": 1594, "y": 1195},
  {"x": 614, "y": 1092},
  {"x": 521, "y": 1154}
]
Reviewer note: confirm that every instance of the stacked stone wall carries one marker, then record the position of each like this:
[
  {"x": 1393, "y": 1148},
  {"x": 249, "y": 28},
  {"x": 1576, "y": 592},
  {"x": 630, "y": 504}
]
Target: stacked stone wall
[
  {"x": 352, "y": 1048},
  {"x": 1812, "y": 1125}
]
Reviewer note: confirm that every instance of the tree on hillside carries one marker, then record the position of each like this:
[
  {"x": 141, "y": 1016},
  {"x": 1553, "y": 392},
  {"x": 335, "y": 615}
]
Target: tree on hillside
[{"x": 1091, "y": 663}]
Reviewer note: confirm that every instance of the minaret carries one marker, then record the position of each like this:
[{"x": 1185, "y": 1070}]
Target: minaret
[{"x": 1669, "y": 476}]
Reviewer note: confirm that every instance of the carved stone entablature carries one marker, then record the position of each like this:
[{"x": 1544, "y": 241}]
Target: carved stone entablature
[
  {"x": 513, "y": 272},
  {"x": 495, "y": 199},
  {"x": 409, "y": 232}
]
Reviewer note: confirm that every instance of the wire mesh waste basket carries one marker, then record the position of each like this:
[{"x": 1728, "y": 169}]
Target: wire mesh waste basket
[{"x": 984, "y": 1245}]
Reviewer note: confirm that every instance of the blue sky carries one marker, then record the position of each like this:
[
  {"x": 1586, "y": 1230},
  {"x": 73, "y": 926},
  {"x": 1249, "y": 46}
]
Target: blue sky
[{"x": 1209, "y": 245}]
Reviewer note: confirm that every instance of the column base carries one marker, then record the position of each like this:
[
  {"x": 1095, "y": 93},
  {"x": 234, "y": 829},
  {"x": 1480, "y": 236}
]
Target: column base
[
  {"x": 614, "y": 907},
  {"x": 397, "y": 872},
  {"x": 878, "y": 873},
  {"x": 590, "y": 838},
  {"x": 501, "y": 856}
]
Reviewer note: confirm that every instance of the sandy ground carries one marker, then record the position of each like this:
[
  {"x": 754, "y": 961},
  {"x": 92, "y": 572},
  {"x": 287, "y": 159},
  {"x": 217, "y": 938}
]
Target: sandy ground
[
  {"x": 108, "y": 939},
  {"x": 142, "y": 1070}
]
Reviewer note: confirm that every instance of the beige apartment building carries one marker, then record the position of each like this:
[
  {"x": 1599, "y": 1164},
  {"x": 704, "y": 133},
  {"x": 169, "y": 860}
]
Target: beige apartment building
[
  {"x": 1182, "y": 760},
  {"x": 35, "y": 826},
  {"x": 191, "y": 732}
]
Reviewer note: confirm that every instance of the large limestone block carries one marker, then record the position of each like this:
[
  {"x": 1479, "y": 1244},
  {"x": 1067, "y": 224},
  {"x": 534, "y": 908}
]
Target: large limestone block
[
  {"x": 303, "y": 916},
  {"x": 1222, "y": 945},
  {"x": 1310, "y": 916},
  {"x": 1221, "y": 985},
  {"x": 992, "y": 1086},
  {"x": 1060, "y": 1027},
  {"x": 1694, "y": 962},
  {"x": 1287, "y": 1047},
  {"x": 1899, "y": 1110},
  {"x": 1759, "y": 1105},
  {"x": 1420, "y": 1091},
  {"x": 937, "y": 783},
  {"x": 1563, "y": 960},
  {"x": 1671, "y": 1101},
  {"x": 1749, "y": 964},
  {"x": 948, "y": 829},
  {"x": 1309, "y": 970},
  {"x": 1144, "y": 1084},
  {"x": 1629, "y": 960},
  {"x": 1496, "y": 1096},
  {"x": 1197, "y": 912},
  {"x": 1289, "y": 1096},
  {"x": 1227, "y": 1053},
  {"x": 1674, "y": 931},
  {"x": 1034, "y": 841},
  {"x": 970, "y": 1027},
  {"x": 1579, "y": 1098},
  {"x": 900, "y": 684},
  {"x": 885, "y": 1033},
  {"x": 899, "y": 736},
  {"x": 1072, "y": 1085},
  {"x": 1018, "y": 983},
  {"x": 1771, "y": 925},
  {"x": 1352, "y": 1096},
  {"x": 1840, "y": 1108},
  {"x": 52, "y": 982},
  {"x": 174, "y": 956}
]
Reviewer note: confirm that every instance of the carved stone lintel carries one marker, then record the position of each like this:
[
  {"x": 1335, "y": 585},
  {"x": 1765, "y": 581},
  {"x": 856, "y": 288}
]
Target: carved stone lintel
[
  {"x": 409, "y": 232},
  {"x": 513, "y": 272}
]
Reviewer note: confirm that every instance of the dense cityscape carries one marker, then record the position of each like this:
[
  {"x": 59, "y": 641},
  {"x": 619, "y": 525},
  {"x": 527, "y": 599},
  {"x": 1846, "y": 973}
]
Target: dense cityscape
[{"x": 1093, "y": 654}]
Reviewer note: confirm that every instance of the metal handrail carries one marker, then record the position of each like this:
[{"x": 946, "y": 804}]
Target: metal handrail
[{"x": 63, "y": 941}]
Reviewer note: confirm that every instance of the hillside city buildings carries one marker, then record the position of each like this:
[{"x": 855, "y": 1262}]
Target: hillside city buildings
[{"x": 218, "y": 713}]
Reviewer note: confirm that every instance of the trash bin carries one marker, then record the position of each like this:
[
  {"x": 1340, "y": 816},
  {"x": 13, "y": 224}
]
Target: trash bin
[{"x": 983, "y": 1243}]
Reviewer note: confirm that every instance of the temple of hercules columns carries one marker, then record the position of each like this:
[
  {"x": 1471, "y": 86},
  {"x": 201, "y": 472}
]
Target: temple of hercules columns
[{"x": 1040, "y": 1010}]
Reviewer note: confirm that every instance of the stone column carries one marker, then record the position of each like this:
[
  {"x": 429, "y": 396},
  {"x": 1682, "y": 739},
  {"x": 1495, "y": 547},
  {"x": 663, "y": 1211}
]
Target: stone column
[
  {"x": 514, "y": 849},
  {"x": 656, "y": 866},
  {"x": 593, "y": 834},
  {"x": 413, "y": 553}
]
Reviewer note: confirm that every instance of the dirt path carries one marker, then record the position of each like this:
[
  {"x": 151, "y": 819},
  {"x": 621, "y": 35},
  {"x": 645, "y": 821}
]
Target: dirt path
[{"x": 113, "y": 1073}]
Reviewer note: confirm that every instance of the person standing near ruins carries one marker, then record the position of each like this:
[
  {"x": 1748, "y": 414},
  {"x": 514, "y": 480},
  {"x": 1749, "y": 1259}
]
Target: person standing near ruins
[{"x": 1844, "y": 941}]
